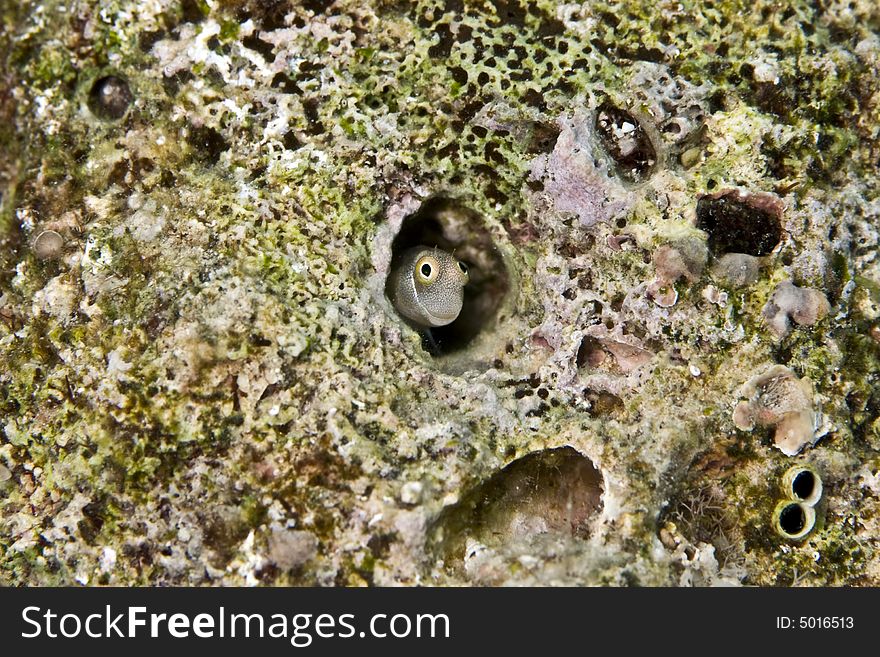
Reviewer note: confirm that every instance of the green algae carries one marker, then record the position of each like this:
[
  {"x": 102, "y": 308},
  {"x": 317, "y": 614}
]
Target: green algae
[{"x": 295, "y": 219}]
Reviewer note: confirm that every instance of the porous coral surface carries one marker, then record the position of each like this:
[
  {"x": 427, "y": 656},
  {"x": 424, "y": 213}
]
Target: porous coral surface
[{"x": 202, "y": 380}]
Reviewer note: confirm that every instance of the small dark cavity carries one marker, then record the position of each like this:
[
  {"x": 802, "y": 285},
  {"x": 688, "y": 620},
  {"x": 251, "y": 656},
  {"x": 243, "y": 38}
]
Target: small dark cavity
[
  {"x": 535, "y": 99},
  {"x": 470, "y": 110},
  {"x": 587, "y": 351},
  {"x": 804, "y": 484},
  {"x": 284, "y": 84},
  {"x": 193, "y": 11},
  {"x": 495, "y": 194},
  {"x": 146, "y": 40},
  {"x": 543, "y": 138},
  {"x": 554, "y": 493},
  {"x": 127, "y": 171},
  {"x": 626, "y": 142},
  {"x": 207, "y": 143},
  {"x": 94, "y": 514},
  {"x": 550, "y": 27},
  {"x": 792, "y": 519},
  {"x": 255, "y": 43},
  {"x": 172, "y": 84},
  {"x": 459, "y": 75},
  {"x": 290, "y": 141},
  {"x": 510, "y": 12},
  {"x": 608, "y": 18},
  {"x": 317, "y": 6},
  {"x": 446, "y": 40},
  {"x": 110, "y": 97},
  {"x": 740, "y": 223},
  {"x": 310, "y": 108},
  {"x": 490, "y": 150},
  {"x": 271, "y": 14}
]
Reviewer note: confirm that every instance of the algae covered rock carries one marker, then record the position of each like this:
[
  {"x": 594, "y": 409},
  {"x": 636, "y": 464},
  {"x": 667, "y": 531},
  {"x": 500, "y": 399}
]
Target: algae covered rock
[{"x": 204, "y": 381}]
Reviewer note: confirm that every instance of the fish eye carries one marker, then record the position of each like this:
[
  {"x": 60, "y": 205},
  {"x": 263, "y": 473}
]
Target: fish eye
[{"x": 427, "y": 269}]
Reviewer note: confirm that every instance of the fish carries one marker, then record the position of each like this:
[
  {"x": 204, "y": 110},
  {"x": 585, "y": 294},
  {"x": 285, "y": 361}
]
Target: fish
[{"x": 427, "y": 286}]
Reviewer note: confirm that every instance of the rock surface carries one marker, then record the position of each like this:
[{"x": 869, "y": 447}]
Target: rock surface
[{"x": 203, "y": 382}]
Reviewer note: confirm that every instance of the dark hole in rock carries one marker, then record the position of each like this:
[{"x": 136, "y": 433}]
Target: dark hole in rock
[
  {"x": 626, "y": 142},
  {"x": 109, "y": 98},
  {"x": 208, "y": 143},
  {"x": 267, "y": 50},
  {"x": 590, "y": 353},
  {"x": 738, "y": 222},
  {"x": 792, "y": 519},
  {"x": 290, "y": 141},
  {"x": 448, "y": 225},
  {"x": 554, "y": 493},
  {"x": 804, "y": 484},
  {"x": 317, "y": 6},
  {"x": 603, "y": 403},
  {"x": 271, "y": 14},
  {"x": 193, "y": 11},
  {"x": 543, "y": 137},
  {"x": 94, "y": 514}
]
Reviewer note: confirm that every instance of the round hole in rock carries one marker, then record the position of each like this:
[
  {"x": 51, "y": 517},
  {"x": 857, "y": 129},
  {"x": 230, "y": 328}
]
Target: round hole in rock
[
  {"x": 626, "y": 142},
  {"x": 803, "y": 484},
  {"x": 738, "y": 222},
  {"x": 554, "y": 493},
  {"x": 792, "y": 519},
  {"x": 452, "y": 227},
  {"x": 110, "y": 97}
]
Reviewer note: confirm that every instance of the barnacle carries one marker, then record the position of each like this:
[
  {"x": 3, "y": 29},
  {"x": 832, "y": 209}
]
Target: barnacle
[
  {"x": 737, "y": 269},
  {"x": 794, "y": 520},
  {"x": 48, "y": 244},
  {"x": 802, "y": 483}
]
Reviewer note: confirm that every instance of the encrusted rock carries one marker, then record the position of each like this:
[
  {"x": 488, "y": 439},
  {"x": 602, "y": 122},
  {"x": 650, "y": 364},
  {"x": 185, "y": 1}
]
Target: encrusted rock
[{"x": 290, "y": 548}]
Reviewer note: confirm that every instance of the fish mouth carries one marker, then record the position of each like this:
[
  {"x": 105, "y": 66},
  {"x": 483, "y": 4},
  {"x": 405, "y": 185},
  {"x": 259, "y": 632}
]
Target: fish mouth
[{"x": 442, "y": 319}]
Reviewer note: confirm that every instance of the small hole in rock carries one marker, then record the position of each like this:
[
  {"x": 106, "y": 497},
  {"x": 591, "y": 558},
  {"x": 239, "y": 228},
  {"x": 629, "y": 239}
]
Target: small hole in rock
[
  {"x": 626, "y": 142},
  {"x": 740, "y": 223},
  {"x": 792, "y": 519},
  {"x": 804, "y": 484},
  {"x": 109, "y": 98},
  {"x": 207, "y": 143},
  {"x": 448, "y": 225}
]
